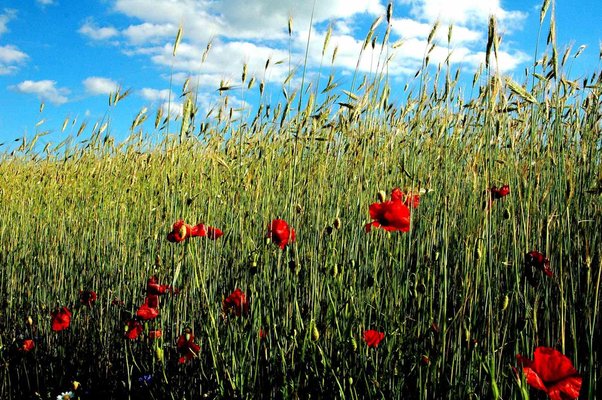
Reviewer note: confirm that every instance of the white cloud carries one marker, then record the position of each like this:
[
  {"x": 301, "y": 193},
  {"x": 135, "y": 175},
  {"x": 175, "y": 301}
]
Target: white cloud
[
  {"x": 154, "y": 95},
  {"x": 46, "y": 90},
  {"x": 45, "y": 2},
  {"x": 236, "y": 19},
  {"x": 408, "y": 28},
  {"x": 225, "y": 62},
  {"x": 506, "y": 61},
  {"x": 149, "y": 32},
  {"x": 10, "y": 56},
  {"x": 97, "y": 85},
  {"x": 93, "y": 31},
  {"x": 5, "y": 18},
  {"x": 252, "y": 31},
  {"x": 463, "y": 12}
]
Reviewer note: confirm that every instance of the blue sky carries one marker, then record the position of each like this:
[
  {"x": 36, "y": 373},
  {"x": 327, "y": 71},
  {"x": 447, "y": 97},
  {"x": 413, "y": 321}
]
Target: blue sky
[{"x": 71, "y": 55}]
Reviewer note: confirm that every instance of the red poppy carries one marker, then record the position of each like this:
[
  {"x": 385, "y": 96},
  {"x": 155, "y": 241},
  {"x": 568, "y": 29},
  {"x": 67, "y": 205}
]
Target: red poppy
[
  {"x": 133, "y": 329},
  {"x": 262, "y": 334},
  {"x": 181, "y": 231},
  {"x": 236, "y": 303},
  {"x": 150, "y": 308},
  {"x": 373, "y": 338},
  {"x": 392, "y": 215},
  {"x": 61, "y": 318},
  {"x": 187, "y": 347},
  {"x": 281, "y": 233},
  {"x": 27, "y": 345},
  {"x": 498, "y": 193},
  {"x": 153, "y": 287},
  {"x": 155, "y": 334},
  {"x": 535, "y": 259},
  {"x": 207, "y": 231},
  {"x": 87, "y": 297},
  {"x": 552, "y": 372}
]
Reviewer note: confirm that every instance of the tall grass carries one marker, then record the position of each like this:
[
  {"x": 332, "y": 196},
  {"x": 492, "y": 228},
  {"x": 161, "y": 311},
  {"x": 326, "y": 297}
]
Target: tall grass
[{"x": 450, "y": 295}]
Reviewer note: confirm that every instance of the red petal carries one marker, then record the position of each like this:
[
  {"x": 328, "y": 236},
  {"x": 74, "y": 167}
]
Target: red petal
[
  {"x": 397, "y": 194},
  {"x": 198, "y": 230},
  {"x": 533, "y": 379},
  {"x": 567, "y": 387},
  {"x": 552, "y": 365}
]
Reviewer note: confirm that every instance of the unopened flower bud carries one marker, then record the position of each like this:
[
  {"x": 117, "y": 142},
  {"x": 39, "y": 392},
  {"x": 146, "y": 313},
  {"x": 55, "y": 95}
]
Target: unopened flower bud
[{"x": 337, "y": 223}]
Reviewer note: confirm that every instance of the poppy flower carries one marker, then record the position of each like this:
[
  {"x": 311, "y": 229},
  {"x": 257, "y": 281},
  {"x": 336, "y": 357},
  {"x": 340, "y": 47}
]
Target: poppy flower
[
  {"x": 27, "y": 345},
  {"x": 496, "y": 193},
  {"x": 133, "y": 329},
  {"x": 391, "y": 215},
  {"x": 155, "y": 334},
  {"x": 61, "y": 318},
  {"x": 236, "y": 303},
  {"x": 153, "y": 287},
  {"x": 281, "y": 233},
  {"x": 181, "y": 231},
  {"x": 552, "y": 372},
  {"x": 262, "y": 334},
  {"x": 536, "y": 260},
  {"x": 150, "y": 308},
  {"x": 187, "y": 348},
  {"x": 373, "y": 338},
  {"x": 87, "y": 297}
]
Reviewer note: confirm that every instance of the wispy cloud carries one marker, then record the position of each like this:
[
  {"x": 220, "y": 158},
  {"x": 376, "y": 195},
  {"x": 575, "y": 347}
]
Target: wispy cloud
[
  {"x": 253, "y": 31},
  {"x": 100, "y": 86},
  {"x": 156, "y": 95},
  {"x": 5, "y": 17},
  {"x": 95, "y": 32},
  {"x": 44, "y": 3},
  {"x": 46, "y": 90},
  {"x": 148, "y": 32},
  {"x": 468, "y": 20},
  {"x": 10, "y": 56},
  {"x": 471, "y": 13}
]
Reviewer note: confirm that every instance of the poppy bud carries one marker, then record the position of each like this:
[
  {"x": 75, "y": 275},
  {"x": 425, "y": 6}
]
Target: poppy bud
[
  {"x": 505, "y": 302},
  {"x": 315, "y": 334},
  {"x": 159, "y": 354},
  {"x": 337, "y": 223}
]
